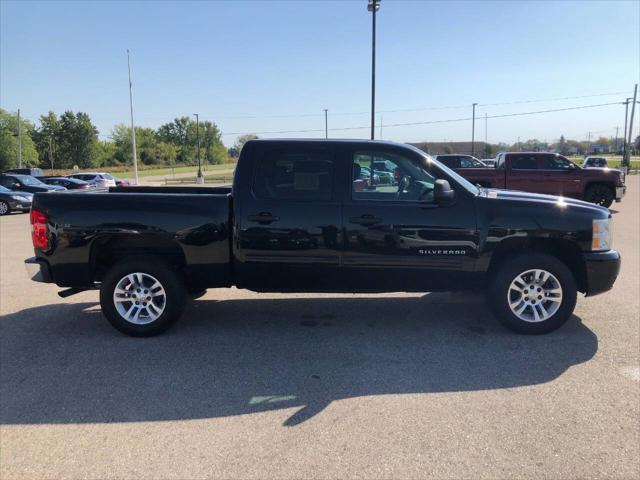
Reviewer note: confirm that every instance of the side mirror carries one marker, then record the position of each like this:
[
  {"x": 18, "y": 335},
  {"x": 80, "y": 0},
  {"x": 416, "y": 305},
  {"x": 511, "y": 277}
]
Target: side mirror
[
  {"x": 443, "y": 194},
  {"x": 15, "y": 186}
]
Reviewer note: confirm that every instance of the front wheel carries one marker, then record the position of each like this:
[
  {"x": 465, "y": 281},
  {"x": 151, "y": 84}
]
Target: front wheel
[
  {"x": 533, "y": 293},
  {"x": 600, "y": 195},
  {"x": 142, "y": 297},
  {"x": 4, "y": 208}
]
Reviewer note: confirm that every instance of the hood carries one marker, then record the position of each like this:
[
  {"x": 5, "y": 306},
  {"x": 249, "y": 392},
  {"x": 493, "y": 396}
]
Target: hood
[{"x": 542, "y": 200}]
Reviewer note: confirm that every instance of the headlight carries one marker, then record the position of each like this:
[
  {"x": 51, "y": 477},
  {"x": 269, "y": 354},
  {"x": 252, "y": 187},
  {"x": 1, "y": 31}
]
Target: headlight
[
  {"x": 602, "y": 235},
  {"x": 20, "y": 198}
]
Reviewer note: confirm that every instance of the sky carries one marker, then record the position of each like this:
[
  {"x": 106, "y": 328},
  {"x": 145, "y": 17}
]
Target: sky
[{"x": 262, "y": 66}]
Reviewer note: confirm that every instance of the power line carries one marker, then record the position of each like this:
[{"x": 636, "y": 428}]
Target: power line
[{"x": 429, "y": 122}]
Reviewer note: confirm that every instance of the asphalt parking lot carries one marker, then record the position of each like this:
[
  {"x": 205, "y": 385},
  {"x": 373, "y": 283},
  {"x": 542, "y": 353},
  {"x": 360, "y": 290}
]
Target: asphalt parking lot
[{"x": 319, "y": 386}]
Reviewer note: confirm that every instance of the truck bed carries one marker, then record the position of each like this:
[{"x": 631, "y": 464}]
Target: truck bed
[{"x": 90, "y": 231}]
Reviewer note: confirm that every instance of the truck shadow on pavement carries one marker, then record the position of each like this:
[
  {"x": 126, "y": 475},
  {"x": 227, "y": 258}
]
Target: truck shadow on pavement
[{"x": 65, "y": 364}]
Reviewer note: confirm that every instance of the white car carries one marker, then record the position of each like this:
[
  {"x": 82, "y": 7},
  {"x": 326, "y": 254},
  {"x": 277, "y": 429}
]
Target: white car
[
  {"x": 595, "y": 162},
  {"x": 95, "y": 179}
]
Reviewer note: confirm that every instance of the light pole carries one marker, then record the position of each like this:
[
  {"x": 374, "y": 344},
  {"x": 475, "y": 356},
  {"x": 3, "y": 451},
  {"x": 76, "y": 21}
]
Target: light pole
[
  {"x": 199, "y": 178},
  {"x": 326, "y": 124},
  {"x": 624, "y": 137},
  {"x": 133, "y": 129},
  {"x": 19, "y": 141},
  {"x": 373, "y": 7},
  {"x": 473, "y": 130},
  {"x": 626, "y": 162}
]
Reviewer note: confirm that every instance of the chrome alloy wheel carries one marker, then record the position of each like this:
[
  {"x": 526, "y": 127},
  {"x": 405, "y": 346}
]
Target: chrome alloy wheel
[
  {"x": 534, "y": 295},
  {"x": 4, "y": 208},
  {"x": 139, "y": 298}
]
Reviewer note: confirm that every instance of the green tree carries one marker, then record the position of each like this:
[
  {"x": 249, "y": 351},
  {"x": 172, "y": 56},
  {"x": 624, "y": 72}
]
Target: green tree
[
  {"x": 487, "y": 151},
  {"x": 106, "y": 153},
  {"x": 242, "y": 139},
  {"x": 9, "y": 142},
  {"x": 563, "y": 146},
  {"x": 448, "y": 149},
  {"x": 78, "y": 141},
  {"x": 46, "y": 138}
]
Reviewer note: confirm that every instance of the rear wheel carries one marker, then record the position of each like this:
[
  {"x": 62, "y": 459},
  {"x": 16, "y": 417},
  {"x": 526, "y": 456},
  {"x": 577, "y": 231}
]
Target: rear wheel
[
  {"x": 142, "y": 297},
  {"x": 4, "y": 208},
  {"x": 601, "y": 195},
  {"x": 533, "y": 293}
]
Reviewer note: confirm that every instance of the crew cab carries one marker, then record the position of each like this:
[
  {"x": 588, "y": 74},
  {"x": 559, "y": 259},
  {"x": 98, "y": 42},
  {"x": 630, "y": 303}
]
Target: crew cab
[
  {"x": 302, "y": 217},
  {"x": 549, "y": 173}
]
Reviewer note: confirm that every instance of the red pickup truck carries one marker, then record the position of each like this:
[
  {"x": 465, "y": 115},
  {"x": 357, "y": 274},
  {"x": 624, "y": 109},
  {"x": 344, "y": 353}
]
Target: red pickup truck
[{"x": 542, "y": 172}]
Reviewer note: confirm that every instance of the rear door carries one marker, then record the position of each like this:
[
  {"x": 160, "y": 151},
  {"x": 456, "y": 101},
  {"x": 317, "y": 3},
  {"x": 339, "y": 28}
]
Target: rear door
[
  {"x": 396, "y": 236},
  {"x": 288, "y": 218},
  {"x": 523, "y": 172}
]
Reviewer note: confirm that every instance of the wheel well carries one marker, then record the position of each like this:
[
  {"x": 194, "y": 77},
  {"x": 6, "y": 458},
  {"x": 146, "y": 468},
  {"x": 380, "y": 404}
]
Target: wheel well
[
  {"x": 609, "y": 185},
  {"x": 107, "y": 251},
  {"x": 565, "y": 251}
]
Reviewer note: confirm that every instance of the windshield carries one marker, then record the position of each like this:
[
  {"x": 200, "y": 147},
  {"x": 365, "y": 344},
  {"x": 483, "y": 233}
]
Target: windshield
[
  {"x": 107, "y": 176},
  {"x": 28, "y": 180},
  {"x": 466, "y": 184}
]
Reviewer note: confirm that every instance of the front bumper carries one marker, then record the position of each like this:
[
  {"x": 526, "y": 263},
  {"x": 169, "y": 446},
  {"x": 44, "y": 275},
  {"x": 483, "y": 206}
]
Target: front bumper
[
  {"x": 602, "y": 269},
  {"x": 620, "y": 192},
  {"x": 38, "y": 270}
]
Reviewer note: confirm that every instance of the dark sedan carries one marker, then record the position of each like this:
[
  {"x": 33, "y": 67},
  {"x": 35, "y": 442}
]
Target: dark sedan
[
  {"x": 14, "y": 201},
  {"x": 68, "y": 183},
  {"x": 25, "y": 183}
]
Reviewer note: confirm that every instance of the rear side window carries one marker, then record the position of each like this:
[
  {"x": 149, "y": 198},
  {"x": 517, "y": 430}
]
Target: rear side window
[
  {"x": 451, "y": 162},
  {"x": 524, "y": 162},
  {"x": 295, "y": 175}
]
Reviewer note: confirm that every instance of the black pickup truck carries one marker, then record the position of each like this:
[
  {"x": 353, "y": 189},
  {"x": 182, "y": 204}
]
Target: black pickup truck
[{"x": 304, "y": 216}]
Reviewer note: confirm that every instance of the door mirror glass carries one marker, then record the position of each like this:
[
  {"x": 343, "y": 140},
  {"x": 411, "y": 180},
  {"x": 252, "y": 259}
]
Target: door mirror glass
[{"x": 443, "y": 194}]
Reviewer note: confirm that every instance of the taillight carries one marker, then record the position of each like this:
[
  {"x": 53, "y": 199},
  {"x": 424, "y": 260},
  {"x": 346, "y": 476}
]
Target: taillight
[
  {"x": 39, "y": 234},
  {"x": 84, "y": 187}
]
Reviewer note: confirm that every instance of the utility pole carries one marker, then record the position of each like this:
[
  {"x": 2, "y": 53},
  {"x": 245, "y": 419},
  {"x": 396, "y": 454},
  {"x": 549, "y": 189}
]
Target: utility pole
[
  {"x": 627, "y": 162},
  {"x": 326, "y": 124},
  {"x": 519, "y": 146},
  {"x": 373, "y": 7},
  {"x": 19, "y": 141},
  {"x": 624, "y": 137},
  {"x": 473, "y": 130},
  {"x": 133, "y": 128},
  {"x": 380, "y": 127},
  {"x": 586, "y": 151},
  {"x": 199, "y": 178},
  {"x": 485, "y": 128}
]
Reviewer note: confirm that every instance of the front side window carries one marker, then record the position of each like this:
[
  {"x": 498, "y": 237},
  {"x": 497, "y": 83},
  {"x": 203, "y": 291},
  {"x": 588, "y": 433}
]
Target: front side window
[
  {"x": 556, "y": 162},
  {"x": 524, "y": 162},
  {"x": 295, "y": 175},
  {"x": 469, "y": 162},
  {"x": 402, "y": 179}
]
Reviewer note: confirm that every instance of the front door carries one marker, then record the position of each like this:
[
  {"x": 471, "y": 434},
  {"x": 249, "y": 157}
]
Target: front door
[
  {"x": 560, "y": 176},
  {"x": 287, "y": 235},
  {"x": 396, "y": 236}
]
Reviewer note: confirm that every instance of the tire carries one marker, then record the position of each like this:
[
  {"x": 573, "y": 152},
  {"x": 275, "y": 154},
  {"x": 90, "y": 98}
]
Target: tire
[
  {"x": 600, "y": 194},
  {"x": 160, "y": 304},
  {"x": 511, "y": 284},
  {"x": 5, "y": 209}
]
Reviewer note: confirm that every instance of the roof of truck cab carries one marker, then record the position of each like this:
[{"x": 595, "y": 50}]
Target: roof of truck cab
[{"x": 353, "y": 141}]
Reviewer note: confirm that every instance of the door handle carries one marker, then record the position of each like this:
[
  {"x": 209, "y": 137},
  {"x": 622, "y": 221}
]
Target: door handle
[
  {"x": 365, "y": 220},
  {"x": 263, "y": 218}
]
